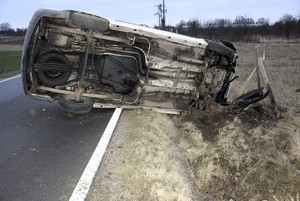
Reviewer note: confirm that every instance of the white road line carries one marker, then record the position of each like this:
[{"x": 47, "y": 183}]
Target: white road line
[
  {"x": 81, "y": 190},
  {"x": 11, "y": 78}
]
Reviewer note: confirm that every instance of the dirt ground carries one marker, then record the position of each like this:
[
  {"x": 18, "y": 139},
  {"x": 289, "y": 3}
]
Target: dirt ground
[{"x": 254, "y": 155}]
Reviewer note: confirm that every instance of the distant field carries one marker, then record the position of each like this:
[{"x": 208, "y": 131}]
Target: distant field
[
  {"x": 12, "y": 40},
  {"x": 10, "y": 55}
]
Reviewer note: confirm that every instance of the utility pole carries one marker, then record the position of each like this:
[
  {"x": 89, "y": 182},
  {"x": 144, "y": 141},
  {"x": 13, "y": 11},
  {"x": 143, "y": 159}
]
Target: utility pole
[
  {"x": 161, "y": 15},
  {"x": 163, "y": 20}
]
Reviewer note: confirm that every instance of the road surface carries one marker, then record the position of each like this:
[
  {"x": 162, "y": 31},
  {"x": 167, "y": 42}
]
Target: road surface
[{"x": 43, "y": 152}]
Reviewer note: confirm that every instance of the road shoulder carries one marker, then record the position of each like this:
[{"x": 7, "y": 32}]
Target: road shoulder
[{"x": 144, "y": 161}]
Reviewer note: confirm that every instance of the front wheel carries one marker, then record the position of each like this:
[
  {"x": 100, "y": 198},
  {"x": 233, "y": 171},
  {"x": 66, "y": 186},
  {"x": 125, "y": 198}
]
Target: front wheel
[{"x": 68, "y": 104}]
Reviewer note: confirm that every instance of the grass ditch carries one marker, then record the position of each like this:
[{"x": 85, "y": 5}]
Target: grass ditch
[
  {"x": 144, "y": 162},
  {"x": 252, "y": 156}
]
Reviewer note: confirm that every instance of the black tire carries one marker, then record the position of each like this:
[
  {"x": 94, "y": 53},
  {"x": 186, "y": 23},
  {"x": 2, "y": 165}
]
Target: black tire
[
  {"x": 91, "y": 22},
  {"x": 68, "y": 104},
  {"x": 53, "y": 78},
  {"x": 221, "y": 49}
]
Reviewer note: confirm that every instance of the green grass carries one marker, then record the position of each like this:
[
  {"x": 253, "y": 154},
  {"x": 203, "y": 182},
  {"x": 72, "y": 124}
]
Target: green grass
[{"x": 10, "y": 62}]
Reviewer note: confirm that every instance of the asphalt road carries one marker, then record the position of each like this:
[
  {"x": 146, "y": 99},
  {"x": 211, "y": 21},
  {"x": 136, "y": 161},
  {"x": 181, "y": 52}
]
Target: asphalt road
[{"x": 43, "y": 152}]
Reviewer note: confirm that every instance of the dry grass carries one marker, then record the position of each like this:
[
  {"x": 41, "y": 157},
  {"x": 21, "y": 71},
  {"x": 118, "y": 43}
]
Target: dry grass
[
  {"x": 157, "y": 171},
  {"x": 147, "y": 162},
  {"x": 253, "y": 157},
  {"x": 282, "y": 65},
  {"x": 295, "y": 146},
  {"x": 4, "y": 47},
  {"x": 11, "y": 43},
  {"x": 288, "y": 197}
]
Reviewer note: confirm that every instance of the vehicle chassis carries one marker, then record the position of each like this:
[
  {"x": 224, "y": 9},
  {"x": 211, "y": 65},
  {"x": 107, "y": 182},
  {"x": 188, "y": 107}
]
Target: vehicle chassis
[{"x": 86, "y": 61}]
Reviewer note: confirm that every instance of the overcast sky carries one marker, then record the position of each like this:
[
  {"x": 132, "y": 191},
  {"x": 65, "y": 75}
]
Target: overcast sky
[{"x": 18, "y": 12}]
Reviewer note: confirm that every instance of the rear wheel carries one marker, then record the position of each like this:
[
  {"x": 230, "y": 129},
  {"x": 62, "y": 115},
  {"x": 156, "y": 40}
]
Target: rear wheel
[{"x": 68, "y": 104}]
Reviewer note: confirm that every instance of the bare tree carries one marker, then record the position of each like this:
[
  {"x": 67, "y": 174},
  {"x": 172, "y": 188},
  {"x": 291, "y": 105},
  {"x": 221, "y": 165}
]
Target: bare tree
[
  {"x": 288, "y": 24},
  {"x": 243, "y": 21},
  {"x": 193, "y": 27},
  {"x": 263, "y": 21},
  {"x": 287, "y": 18},
  {"x": 5, "y": 28},
  {"x": 182, "y": 27},
  {"x": 244, "y": 29}
]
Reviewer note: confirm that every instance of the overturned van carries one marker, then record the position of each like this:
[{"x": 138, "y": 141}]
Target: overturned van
[{"x": 85, "y": 61}]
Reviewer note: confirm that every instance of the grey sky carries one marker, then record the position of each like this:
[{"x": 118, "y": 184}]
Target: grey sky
[{"x": 18, "y": 12}]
